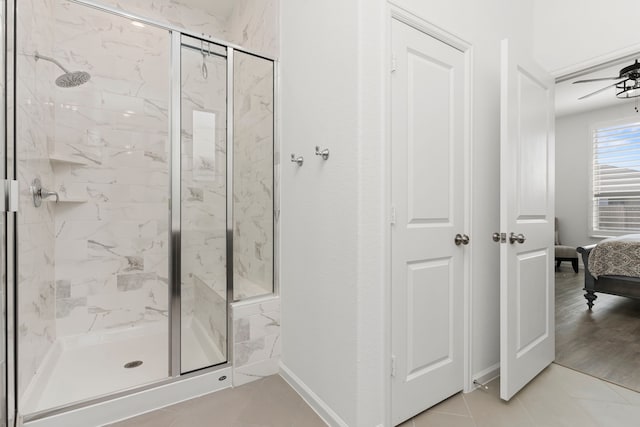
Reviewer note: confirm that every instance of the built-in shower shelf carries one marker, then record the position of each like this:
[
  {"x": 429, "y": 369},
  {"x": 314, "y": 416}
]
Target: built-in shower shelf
[{"x": 66, "y": 159}]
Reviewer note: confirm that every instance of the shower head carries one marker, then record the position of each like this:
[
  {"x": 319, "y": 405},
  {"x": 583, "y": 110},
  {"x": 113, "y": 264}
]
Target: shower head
[
  {"x": 73, "y": 79},
  {"x": 69, "y": 78}
]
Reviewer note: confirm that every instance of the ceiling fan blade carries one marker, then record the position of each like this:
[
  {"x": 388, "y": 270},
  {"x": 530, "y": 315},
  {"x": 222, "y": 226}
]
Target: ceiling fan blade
[
  {"x": 596, "y": 80},
  {"x": 603, "y": 89}
]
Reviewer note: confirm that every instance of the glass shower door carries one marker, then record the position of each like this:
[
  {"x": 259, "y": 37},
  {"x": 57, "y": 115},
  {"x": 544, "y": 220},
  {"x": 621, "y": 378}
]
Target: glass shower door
[
  {"x": 203, "y": 204},
  {"x": 92, "y": 155}
]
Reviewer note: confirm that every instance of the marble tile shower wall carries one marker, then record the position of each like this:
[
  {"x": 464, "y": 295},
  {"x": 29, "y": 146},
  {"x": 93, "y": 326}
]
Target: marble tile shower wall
[
  {"x": 34, "y": 120},
  {"x": 253, "y": 177},
  {"x": 112, "y": 224},
  {"x": 253, "y": 24},
  {"x": 256, "y": 339}
]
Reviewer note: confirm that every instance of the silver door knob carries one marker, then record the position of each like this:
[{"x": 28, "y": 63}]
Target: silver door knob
[
  {"x": 461, "y": 239},
  {"x": 513, "y": 237}
]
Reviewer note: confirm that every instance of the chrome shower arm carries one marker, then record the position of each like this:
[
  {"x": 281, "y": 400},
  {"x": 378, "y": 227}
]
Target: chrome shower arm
[{"x": 46, "y": 58}]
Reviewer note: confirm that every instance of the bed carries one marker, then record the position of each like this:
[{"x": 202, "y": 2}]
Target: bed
[{"x": 612, "y": 267}]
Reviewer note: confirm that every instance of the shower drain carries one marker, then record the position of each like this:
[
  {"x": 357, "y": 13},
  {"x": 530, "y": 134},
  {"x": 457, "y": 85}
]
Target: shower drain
[{"x": 133, "y": 364}]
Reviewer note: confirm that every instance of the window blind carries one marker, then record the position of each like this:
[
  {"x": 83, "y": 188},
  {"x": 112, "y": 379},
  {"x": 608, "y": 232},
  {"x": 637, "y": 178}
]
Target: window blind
[{"x": 616, "y": 178}]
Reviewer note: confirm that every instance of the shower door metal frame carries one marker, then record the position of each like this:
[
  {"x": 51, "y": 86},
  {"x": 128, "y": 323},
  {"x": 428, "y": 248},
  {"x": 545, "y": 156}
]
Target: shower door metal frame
[
  {"x": 10, "y": 231},
  {"x": 175, "y": 210},
  {"x": 174, "y": 371}
]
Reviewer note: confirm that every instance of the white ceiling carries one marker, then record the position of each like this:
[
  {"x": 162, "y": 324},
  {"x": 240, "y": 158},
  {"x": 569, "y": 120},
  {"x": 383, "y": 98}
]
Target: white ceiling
[{"x": 567, "y": 93}]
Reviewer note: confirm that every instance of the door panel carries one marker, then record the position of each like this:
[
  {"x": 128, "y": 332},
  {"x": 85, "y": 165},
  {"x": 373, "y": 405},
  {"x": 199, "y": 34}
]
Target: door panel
[
  {"x": 425, "y": 281},
  {"x": 428, "y": 197},
  {"x": 527, "y": 339},
  {"x": 428, "y": 157},
  {"x": 203, "y": 316}
]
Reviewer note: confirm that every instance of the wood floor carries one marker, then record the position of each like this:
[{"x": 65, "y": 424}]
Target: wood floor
[{"x": 604, "y": 343}]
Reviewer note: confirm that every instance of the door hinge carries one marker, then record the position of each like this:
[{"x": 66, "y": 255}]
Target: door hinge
[
  {"x": 394, "y": 63},
  {"x": 392, "y": 221},
  {"x": 393, "y": 365},
  {"x": 10, "y": 197}
]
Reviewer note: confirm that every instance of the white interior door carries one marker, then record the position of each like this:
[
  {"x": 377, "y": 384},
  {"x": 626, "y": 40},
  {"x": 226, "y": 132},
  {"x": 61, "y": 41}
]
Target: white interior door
[
  {"x": 428, "y": 176},
  {"x": 527, "y": 334}
]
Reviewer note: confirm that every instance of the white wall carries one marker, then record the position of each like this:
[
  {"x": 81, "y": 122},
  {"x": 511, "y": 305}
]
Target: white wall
[
  {"x": 573, "y": 162},
  {"x": 319, "y": 246},
  {"x": 334, "y": 235},
  {"x": 571, "y": 32}
]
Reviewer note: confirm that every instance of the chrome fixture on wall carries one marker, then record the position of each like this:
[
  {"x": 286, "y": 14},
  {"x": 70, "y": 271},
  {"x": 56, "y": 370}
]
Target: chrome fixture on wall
[
  {"x": 299, "y": 160},
  {"x": 324, "y": 153},
  {"x": 40, "y": 193},
  {"x": 69, "y": 78}
]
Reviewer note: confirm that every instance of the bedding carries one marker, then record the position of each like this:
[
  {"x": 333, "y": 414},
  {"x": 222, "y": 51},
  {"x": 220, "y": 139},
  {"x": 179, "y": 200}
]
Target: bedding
[
  {"x": 616, "y": 256},
  {"x": 625, "y": 282}
]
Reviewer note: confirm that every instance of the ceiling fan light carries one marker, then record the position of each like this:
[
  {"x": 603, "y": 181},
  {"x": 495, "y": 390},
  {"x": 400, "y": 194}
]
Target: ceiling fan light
[{"x": 630, "y": 92}]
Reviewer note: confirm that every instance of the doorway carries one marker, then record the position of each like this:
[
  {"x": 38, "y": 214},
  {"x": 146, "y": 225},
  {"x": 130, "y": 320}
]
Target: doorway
[
  {"x": 600, "y": 342},
  {"x": 429, "y": 231}
]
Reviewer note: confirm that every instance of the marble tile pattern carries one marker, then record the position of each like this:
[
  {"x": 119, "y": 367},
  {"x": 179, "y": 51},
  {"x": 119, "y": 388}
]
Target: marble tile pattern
[
  {"x": 210, "y": 311},
  {"x": 252, "y": 24},
  {"x": 256, "y": 339},
  {"x": 35, "y": 118},
  {"x": 253, "y": 176},
  {"x": 111, "y": 227},
  {"x": 180, "y": 13}
]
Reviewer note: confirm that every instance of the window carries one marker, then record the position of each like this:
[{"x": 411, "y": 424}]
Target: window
[{"x": 616, "y": 179}]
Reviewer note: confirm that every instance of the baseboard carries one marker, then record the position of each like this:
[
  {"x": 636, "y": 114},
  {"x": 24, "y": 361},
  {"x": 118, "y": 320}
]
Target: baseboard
[
  {"x": 317, "y": 404},
  {"x": 486, "y": 375}
]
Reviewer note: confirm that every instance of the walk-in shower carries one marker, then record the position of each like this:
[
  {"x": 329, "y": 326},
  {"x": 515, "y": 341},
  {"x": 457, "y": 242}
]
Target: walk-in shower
[{"x": 146, "y": 201}]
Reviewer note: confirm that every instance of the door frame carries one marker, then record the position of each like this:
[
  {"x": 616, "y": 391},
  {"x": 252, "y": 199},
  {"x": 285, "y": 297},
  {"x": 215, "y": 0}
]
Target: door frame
[{"x": 395, "y": 12}]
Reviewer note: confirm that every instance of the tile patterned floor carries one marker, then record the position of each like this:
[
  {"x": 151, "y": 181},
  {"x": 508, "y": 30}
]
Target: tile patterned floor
[
  {"x": 268, "y": 402},
  {"x": 558, "y": 397}
]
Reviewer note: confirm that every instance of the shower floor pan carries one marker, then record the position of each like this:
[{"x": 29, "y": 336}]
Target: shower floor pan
[{"x": 92, "y": 365}]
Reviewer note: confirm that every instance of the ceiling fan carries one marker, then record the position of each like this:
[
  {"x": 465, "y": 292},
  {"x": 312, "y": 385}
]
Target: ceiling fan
[{"x": 628, "y": 82}]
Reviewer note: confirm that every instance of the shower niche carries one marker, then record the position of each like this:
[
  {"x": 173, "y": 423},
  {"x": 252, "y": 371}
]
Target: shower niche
[{"x": 154, "y": 150}]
